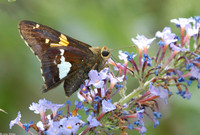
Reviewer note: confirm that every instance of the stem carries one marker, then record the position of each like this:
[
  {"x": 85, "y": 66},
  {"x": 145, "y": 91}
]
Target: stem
[
  {"x": 163, "y": 53},
  {"x": 182, "y": 36},
  {"x": 130, "y": 96},
  {"x": 140, "y": 58},
  {"x": 170, "y": 58},
  {"x": 85, "y": 131}
]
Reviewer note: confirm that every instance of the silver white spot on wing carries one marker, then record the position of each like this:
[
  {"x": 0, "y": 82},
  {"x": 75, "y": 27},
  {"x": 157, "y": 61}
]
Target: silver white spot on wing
[
  {"x": 47, "y": 41},
  {"x": 63, "y": 67}
]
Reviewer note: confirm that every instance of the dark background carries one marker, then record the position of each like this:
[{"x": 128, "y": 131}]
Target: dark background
[{"x": 97, "y": 22}]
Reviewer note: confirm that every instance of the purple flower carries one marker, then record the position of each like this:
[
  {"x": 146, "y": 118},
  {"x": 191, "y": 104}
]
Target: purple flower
[
  {"x": 142, "y": 128},
  {"x": 16, "y": 120},
  {"x": 137, "y": 123},
  {"x": 142, "y": 41},
  {"x": 191, "y": 31},
  {"x": 155, "y": 123},
  {"x": 130, "y": 126},
  {"x": 166, "y": 30},
  {"x": 157, "y": 115},
  {"x": 195, "y": 72},
  {"x": 93, "y": 122},
  {"x": 107, "y": 106},
  {"x": 84, "y": 89},
  {"x": 27, "y": 126},
  {"x": 177, "y": 48},
  {"x": 70, "y": 125},
  {"x": 131, "y": 56},
  {"x": 187, "y": 95},
  {"x": 139, "y": 113},
  {"x": 167, "y": 36},
  {"x": 123, "y": 56},
  {"x": 182, "y": 22},
  {"x": 97, "y": 99},
  {"x": 159, "y": 91},
  {"x": 104, "y": 73},
  {"x": 68, "y": 102},
  {"x": 86, "y": 109},
  {"x": 154, "y": 90},
  {"x": 164, "y": 93},
  {"x": 79, "y": 104},
  {"x": 41, "y": 107},
  {"x": 54, "y": 129},
  {"x": 95, "y": 79},
  {"x": 114, "y": 80},
  {"x": 54, "y": 107}
]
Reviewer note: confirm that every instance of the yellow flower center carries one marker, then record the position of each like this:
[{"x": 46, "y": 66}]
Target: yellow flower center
[
  {"x": 69, "y": 127},
  {"x": 96, "y": 81}
]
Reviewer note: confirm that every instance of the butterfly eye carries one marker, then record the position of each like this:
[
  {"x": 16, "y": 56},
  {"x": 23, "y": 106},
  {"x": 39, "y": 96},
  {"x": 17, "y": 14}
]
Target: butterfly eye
[{"x": 105, "y": 53}]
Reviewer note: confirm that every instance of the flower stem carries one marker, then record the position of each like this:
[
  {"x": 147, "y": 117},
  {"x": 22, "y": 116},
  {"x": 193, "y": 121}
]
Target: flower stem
[{"x": 130, "y": 96}]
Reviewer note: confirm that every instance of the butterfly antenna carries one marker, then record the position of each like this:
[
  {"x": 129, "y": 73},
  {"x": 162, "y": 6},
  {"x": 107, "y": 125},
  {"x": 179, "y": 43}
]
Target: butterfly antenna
[{"x": 132, "y": 46}]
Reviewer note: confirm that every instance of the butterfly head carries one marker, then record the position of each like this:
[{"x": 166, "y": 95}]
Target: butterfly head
[{"x": 105, "y": 53}]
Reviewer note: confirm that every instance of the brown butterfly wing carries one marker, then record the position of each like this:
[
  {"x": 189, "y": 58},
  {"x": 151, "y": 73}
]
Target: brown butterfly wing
[
  {"x": 61, "y": 56},
  {"x": 40, "y": 38}
]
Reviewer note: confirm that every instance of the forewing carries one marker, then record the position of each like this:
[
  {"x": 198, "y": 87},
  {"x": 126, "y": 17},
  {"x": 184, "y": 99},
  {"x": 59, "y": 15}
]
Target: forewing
[{"x": 40, "y": 38}]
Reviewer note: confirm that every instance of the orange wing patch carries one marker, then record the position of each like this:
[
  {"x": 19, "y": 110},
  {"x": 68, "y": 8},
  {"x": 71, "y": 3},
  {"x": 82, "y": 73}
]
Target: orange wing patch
[{"x": 63, "y": 41}]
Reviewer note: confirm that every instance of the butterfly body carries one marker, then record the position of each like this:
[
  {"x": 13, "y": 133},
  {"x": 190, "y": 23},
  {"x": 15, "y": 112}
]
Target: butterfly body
[{"x": 62, "y": 57}]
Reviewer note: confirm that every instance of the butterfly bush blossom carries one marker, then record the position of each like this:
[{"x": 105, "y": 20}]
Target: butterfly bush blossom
[{"x": 155, "y": 74}]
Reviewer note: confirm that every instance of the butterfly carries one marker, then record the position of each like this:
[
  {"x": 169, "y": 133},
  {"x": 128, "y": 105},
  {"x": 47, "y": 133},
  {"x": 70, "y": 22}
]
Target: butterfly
[{"x": 63, "y": 58}]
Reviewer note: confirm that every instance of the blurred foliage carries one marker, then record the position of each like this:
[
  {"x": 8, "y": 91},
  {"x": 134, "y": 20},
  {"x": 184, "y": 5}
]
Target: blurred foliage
[{"x": 98, "y": 23}]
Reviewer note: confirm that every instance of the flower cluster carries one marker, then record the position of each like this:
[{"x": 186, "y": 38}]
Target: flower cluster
[{"x": 155, "y": 75}]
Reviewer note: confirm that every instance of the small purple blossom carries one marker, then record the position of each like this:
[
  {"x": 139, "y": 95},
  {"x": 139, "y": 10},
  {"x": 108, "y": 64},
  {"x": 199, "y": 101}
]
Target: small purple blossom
[
  {"x": 177, "y": 48},
  {"x": 86, "y": 109},
  {"x": 142, "y": 128},
  {"x": 104, "y": 73},
  {"x": 16, "y": 120},
  {"x": 187, "y": 95},
  {"x": 195, "y": 72},
  {"x": 155, "y": 123},
  {"x": 159, "y": 91},
  {"x": 139, "y": 113},
  {"x": 123, "y": 56},
  {"x": 131, "y": 56},
  {"x": 141, "y": 41},
  {"x": 27, "y": 126},
  {"x": 70, "y": 125},
  {"x": 107, "y": 106},
  {"x": 191, "y": 31},
  {"x": 84, "y": 89},
  {"x": 54, "y": 108},
  {"x": 79, "y": 104},
  {"x": 93, "y": 122},
  {"x": 114, "y": 79},
  {"x": 166, "y": 36},
  {"x": 130, "y": 126},
  {"x": 95, "y": 79},
  {"x": 182, "y": 22},
  {"x": 38, "y": 108},
  {"x": 54, "y": 129},
  {"x": 68, "y": 102},
  {"x": 157, "y": 115},
  {"x": 97, "y": 99}
]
